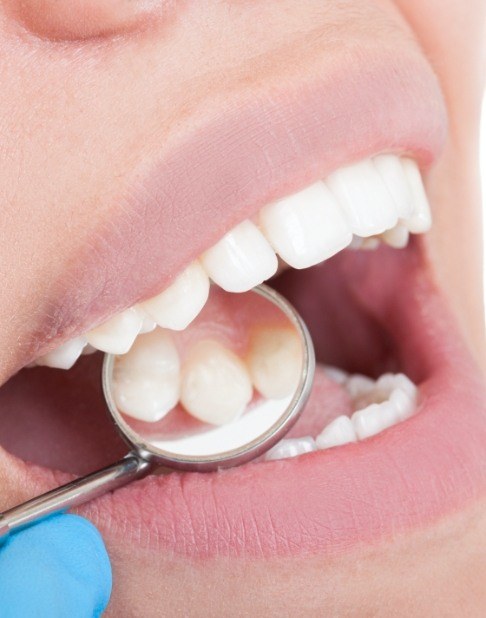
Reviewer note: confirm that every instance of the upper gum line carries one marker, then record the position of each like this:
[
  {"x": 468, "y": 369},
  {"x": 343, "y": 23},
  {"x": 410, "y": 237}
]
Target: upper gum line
[{"x": 377, "y": 199}]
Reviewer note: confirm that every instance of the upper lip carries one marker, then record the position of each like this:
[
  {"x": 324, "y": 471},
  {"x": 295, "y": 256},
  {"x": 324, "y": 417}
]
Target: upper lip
[{"x": 231, "y": 163}]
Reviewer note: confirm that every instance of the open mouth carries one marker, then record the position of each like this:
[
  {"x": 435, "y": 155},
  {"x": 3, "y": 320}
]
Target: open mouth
[{"x": 393, "y": 435}]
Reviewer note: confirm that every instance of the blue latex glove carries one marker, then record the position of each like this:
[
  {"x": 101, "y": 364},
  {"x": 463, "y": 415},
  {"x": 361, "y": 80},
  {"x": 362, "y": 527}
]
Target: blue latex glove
[{"x": 56, "y": 568}]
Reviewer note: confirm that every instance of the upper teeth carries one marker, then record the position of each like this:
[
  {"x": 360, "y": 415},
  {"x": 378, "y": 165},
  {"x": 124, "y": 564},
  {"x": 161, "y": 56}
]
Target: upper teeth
[{"x": 376, "y": 199}]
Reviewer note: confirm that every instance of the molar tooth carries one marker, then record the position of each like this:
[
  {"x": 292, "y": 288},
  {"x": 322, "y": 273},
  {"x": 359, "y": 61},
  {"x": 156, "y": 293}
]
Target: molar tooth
[
  {"x": 307, "y": 227},
  {"x": 336, "y": 374},
  {"x": 216, "y": 386},
  {"x": 146, "y": 380},
  {"x": 291, "y": 447},
  {"x": 391, "y": 170},
  {"x": 65, "y": 355},
  {"x": 117, "y": 334},
  {"x": 241, "y": 260},
  {"x": 275, "y": 361},
  {"x": 403, "y": 403},
  {"x": 421, "y": 219},
  {"x": 339, "y": 431},
  {"x": 374, "y": 418},
  {"x": 363, "y": 195},
  {"x": 178, "y": 305},
  {"x": 358, "y": 385}
]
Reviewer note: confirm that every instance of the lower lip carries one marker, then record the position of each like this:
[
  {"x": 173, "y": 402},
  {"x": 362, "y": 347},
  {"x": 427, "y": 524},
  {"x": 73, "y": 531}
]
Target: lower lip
[{"x": 406, "y": 477}]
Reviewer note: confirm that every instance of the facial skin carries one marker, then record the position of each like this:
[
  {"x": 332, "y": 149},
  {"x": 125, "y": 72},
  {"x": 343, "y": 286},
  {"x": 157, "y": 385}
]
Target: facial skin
[{"x": 91, "y": 94}]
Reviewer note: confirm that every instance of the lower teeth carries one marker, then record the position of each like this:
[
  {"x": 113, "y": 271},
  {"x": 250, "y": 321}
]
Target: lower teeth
[{"x": 378, "y": 405}]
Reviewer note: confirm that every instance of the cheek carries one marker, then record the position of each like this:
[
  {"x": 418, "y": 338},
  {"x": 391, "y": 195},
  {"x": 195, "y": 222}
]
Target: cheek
[{"x": 85, "y": 19}]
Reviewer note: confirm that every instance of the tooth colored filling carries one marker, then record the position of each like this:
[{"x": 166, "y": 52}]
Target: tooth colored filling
[{"x": 377, "y": 200}]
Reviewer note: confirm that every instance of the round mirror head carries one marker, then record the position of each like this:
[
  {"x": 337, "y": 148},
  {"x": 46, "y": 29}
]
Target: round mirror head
[{"x": 218, "y": 393}]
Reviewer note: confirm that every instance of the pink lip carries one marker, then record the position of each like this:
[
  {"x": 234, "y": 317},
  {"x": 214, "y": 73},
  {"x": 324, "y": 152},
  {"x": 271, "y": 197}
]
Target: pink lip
[
  {"x": 240, "y": 157},
  {"x": 327, "y": 501}
]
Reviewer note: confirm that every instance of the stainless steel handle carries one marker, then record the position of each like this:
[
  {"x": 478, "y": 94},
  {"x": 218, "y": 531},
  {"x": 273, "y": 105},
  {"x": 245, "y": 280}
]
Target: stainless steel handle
[{"x": 74, "y": 493}]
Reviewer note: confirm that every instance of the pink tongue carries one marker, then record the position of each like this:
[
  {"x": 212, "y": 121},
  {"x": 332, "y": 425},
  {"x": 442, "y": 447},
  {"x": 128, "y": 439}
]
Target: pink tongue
[{"x": 58, "y": 419}]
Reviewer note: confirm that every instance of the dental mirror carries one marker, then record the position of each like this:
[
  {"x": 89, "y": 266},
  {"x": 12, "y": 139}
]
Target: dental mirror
[{"x": 217, "y": 394}]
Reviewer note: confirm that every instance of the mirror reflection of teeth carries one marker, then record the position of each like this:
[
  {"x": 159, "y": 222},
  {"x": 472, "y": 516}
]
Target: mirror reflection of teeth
[{"x": 359, "y": 206}]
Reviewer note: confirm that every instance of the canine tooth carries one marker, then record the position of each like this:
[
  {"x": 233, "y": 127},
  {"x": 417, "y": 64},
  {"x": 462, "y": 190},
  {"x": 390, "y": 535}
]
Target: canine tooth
[
  {"x": 274, "y": 361},
  {"x": 307, "y": 227},
  {"x": 65, "y": 355},
  {"x": 216, "y": 386},
  {"x": 363, "y": 195},
  {"x": 117, "y": 334},
  {"x": 146, "y": 380},
  {"x": 241, "y": 260},
  {"x": 391, "y": 171},
  {"x": 339, "y": 431},
  {"x": 178, "y": 305},
  {"x": 397, "y": 237},
  {"x": 291, "y": 447},
  {"x": 421, "y": 219},
  {"x": 374, "y": 418}
]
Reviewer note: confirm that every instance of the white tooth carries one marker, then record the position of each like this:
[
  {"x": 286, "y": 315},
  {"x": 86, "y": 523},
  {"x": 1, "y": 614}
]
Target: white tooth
[
  {"x": 336, "y": 374},
  {"x": 391, "y": 170},
  {"x": 374, "y": 418},
  {"x": 307, "y": 227},
  {"x": 339, "y": 431},
  {"x": 358, "y": 385},
  {"x": 216, "y": 386},
  {"x": 371, "y": 243},
  {"x": 148, "y": 325},
  {"x": 241, "y": 260},
  {"x": 421, "y": 218},
  {"x": 65, "y": 355},
  {"x": 387, "y": 382},
  {"x": 146, "y": 380},
  {"x": 275, "y": 361},
  {"x": 291, "y": 447},
  {"x": 403, "y": 403},
  {"x": 178, "y": 305},
  {"x": 397, "y": 237},
  {"x": 362, "y": 194},
  {"x": 117, "y": 334}
]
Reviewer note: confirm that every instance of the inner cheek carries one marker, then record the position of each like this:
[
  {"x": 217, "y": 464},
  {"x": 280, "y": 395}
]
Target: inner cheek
[{"x": 86, "y": 19}]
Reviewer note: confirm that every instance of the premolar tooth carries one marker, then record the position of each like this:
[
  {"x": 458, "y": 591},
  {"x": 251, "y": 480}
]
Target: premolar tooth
[
  {"x": 374, "y": 418},
  {"x": 339, "y": 431},
  {"x": 307, "y": 227},
  {"x": 391, "y": 171},
  {"x": 146, "y": 380},
  {"x": 275, "y": 361},
  {"x": 216, "y": 386},
  {"x": 387, "y": 383},
  {"x": 65, "y": 355},
  {"x": 241, "y": 260},
  {"x": 421, "y": 219},
  {"x": 291, "y": 447},
  {"x": 117, "y": 334},
  {"x": 362, "y": 194},
  {"x": 178, "y": 305},
  {"x": 358, "y": 385},
  {"x": 397, "y": 237}
]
